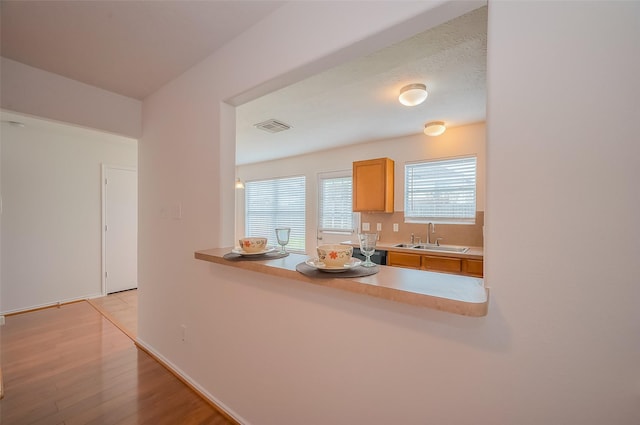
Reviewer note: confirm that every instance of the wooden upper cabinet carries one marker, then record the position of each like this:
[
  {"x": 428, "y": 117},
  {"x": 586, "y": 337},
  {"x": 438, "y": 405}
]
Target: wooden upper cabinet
[{"x": 373, "y": 185}]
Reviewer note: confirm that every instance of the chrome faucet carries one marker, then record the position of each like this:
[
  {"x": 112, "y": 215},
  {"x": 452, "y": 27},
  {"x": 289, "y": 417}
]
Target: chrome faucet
[{"x": 431, "y": 228}]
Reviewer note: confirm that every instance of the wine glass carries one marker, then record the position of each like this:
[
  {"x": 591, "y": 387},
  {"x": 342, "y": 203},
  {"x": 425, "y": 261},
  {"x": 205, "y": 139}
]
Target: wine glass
[
  {"x": 282, "y": 234},
  {"x": 368, "y": 247}
]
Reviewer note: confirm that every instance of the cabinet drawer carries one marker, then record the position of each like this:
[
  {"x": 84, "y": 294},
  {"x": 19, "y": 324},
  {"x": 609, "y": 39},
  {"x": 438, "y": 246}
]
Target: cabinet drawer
[
  {"x": 473, "y": 267},
  {"x": 401, "y": 259},
  {"x": 442, "y": 264}
]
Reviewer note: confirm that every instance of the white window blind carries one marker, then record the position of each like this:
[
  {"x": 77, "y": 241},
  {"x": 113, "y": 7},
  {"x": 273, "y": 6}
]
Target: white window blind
[
  {"x": 441, "y": 191},
  {"x": 335, "y": 207},
  {"x": 276, "y": 203}
]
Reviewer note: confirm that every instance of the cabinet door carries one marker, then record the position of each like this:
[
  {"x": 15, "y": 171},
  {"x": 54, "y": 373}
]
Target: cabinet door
[
  {"x": 373, "y": 185},
  {"x": 441, "y": 264},
  {"x": 400, "y": 259},
  {"x": 473, "y": 267}
]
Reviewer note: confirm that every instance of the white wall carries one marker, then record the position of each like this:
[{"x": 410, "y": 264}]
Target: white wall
[
  {"x": 560, "y": 344},
  {"x": 32, "y": 91},
  {"x": 458, "y": 141},
  {"x": 180, "y": 161},
  {"x": 52, "y": 210},
  {"x": 562, "y": 232}
]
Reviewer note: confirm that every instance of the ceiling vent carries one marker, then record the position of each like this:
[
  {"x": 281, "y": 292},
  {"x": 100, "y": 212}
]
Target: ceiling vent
[{"x": 272, "y": 126}]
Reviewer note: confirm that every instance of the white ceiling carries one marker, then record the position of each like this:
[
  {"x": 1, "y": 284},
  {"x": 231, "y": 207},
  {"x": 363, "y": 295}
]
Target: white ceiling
[
  {"x": 358, "y": 102},
  {"x": 134, "y": 47},
  {"x": 127, "y": 47}
]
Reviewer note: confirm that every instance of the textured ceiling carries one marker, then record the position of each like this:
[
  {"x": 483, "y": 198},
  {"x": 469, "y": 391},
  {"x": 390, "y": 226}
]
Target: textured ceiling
[
  {"x": 127, "y": 47},
  {"x": 358, "y": 101}
]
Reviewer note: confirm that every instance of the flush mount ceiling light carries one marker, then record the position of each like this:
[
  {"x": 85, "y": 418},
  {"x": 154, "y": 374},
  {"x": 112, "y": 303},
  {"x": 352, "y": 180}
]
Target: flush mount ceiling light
[
  {"x": 413, "y": 94},
  {"x": 434, "y": 128}
]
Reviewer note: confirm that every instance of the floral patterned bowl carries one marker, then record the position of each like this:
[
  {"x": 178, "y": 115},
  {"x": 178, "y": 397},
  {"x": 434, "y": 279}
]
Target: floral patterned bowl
[
  {"x": 335, "y": 255},
  {"x": 253, "y": 244}
]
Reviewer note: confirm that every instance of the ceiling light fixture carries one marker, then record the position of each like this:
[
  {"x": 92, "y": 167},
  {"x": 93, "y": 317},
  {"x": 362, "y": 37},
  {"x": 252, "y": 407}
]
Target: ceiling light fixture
[
  {"x": 434, "y": 128},
  {"x": 239, "y": 184},
  {"x": 413, "y": 94}
]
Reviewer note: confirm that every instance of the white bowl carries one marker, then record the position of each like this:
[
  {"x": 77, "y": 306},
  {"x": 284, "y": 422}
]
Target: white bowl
[
  {"x": 253, "y": 244},
  {"x": 334, "y": 255}
]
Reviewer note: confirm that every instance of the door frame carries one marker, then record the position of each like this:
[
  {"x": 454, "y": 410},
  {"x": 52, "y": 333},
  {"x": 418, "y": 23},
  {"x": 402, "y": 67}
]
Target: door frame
[
  {"x": 338, "y": 236},
  {"x": 103, "y": 179}
]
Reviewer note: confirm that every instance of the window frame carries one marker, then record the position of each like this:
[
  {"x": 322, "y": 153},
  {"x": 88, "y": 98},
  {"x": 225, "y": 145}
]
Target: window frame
[
  {"x": 298, "y": 226},
  {"x": 438, "y": 218}
]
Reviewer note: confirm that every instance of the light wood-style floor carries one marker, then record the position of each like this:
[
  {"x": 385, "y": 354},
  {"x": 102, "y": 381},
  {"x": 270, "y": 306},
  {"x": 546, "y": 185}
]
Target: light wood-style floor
[
  {"x": 121, "y": 308},
  {"x": 70, "y": 365}
]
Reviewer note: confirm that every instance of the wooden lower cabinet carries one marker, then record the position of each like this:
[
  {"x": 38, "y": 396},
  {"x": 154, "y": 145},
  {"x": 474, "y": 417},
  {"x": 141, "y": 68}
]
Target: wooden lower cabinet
[
  {"x": 473, "y": 267},
  {"x": 462, "y": 266},
  {"x": 402, "y": 259},
  {"x": 441, "y": 264}
]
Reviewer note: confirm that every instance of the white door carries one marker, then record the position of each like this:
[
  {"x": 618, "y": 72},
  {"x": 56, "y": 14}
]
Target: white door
[
  {"x": 336, "y": 220},
  {"x": 120, "y": 229}
]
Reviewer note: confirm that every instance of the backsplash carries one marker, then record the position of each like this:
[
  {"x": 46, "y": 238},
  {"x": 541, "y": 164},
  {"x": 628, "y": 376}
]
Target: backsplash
[{"x": 451, "y": 234}]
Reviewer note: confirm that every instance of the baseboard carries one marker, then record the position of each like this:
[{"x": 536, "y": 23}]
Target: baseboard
[
  {"x": 186, "y": 379},
  {"x": 48, "y": 305}
]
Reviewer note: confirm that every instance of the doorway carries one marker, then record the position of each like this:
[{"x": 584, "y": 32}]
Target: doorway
[
  {"x": 120, "y": 228},
  {"x": 336, "y": 221}
]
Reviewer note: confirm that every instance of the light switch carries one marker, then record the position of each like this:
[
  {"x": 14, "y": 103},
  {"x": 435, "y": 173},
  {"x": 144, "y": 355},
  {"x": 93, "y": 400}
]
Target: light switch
[
  {"x": 395, "y": 227},
  {"x": 379, "y": 227},
  {"x": 365, "y": 227}
]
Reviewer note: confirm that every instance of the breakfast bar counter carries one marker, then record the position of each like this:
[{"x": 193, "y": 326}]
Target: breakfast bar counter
[{"x": 456, "y": 294}]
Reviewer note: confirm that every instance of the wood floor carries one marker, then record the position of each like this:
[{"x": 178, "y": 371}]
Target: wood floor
[
  {"x": 121, "y": 308},
  {"x": 70, "y": 365}
]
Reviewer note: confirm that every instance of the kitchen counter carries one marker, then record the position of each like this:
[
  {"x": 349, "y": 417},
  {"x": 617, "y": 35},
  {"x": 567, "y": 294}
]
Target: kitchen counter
[
  {"x": 474, "y": 252},
  {"x": 461, "y": 295}
]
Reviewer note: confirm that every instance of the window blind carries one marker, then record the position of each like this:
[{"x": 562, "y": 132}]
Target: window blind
[
  {"x": 441, "y": 191},
  {"x": 335, "y": 209},
  {"x": 276, "y": 203}
]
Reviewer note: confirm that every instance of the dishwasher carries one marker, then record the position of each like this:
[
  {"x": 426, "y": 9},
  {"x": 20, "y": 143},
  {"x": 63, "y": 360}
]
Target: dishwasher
[{"x": 378, "y": 257}]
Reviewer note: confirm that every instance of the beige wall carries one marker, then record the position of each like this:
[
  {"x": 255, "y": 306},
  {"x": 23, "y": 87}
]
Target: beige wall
[
  {"x": 52, "y": 210},
  {"x": 43, "y": 94},
  {"x": 559, "y": 345}
]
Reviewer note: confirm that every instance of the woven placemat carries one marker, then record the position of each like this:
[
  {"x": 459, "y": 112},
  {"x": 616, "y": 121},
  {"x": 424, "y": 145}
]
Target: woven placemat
[
  {"x": 359, "y": 271},
  {"x": 232, "y": 256}
]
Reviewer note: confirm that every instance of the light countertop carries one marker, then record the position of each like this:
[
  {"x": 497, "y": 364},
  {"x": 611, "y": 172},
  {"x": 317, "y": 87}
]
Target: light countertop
[{"x": 456, "y": 294}]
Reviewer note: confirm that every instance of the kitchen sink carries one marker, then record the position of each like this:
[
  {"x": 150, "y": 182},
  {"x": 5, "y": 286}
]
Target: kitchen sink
[
  {"x": 404, "y": 245},
  {"x": 446, "y": 248},
  {"x": 434, "y": 247}
]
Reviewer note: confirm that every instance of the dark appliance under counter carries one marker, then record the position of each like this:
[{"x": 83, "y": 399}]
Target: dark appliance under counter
[{"x": 378, "y": 257}]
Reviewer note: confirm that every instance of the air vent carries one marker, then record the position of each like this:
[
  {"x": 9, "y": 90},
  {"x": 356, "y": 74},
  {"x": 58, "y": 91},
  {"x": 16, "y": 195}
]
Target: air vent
[{"x": 272, "y": 126}]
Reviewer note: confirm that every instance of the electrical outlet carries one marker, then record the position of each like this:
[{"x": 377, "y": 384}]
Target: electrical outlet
[
  {"x": 379, "y": 227},
  {"x": 1, "y": 320},
  {"x": 395, "y": 227},
  {"x": 365, "y": 227}
]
